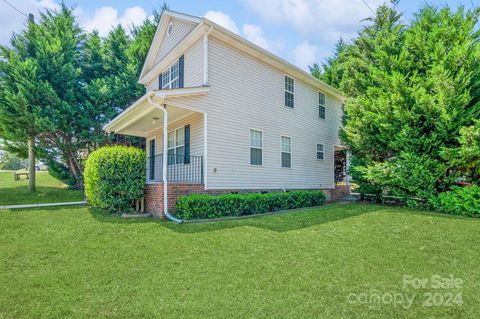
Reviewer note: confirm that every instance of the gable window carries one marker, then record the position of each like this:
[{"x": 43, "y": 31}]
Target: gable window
[
  {"x": 170, "y": 77},
  {"x": 256, "y": 145},
  {"x": 321, "y": 105},
  {"x": 320, "y": 151},
  {"x": 176, "y": 146},
  {"x": 286, "y": 152},
  {"x": 289, "y": 91},
  {"x": 170, "y": 29}
]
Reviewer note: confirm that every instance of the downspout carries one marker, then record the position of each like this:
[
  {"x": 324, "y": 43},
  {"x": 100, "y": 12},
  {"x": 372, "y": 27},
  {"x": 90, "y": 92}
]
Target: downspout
[{"x": 165, "y": 159}]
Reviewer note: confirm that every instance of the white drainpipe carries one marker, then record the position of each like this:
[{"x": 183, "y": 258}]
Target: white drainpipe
[{"x": 165, "y": 159}]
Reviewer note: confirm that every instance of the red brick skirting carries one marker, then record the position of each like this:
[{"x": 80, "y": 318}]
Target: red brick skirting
[
  {"x": 154, "y": 195},
  {"x": 339, "y": 191}
]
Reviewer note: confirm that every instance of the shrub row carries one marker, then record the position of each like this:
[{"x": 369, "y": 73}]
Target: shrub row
[
  {"x": 201, "y": 206},
  {"x": 459, "y": 201}
]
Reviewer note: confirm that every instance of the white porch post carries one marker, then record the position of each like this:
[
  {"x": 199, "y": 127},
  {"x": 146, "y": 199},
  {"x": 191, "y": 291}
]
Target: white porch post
[
  {"x": 347, "y": 166},
  {"x": 165, "y": 160}
]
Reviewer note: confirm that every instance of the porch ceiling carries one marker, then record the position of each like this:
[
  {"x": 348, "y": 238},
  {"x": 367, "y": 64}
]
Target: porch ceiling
[{"x": 142, "y": 117}]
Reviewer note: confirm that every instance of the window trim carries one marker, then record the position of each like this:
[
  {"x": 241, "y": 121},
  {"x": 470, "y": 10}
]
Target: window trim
[
  {"x": 250, "y": 147},
  {"x": 154, "y": 138},
  {"x": 323, "y": 152},
  {"x": 168, "y": 85},
  {"x": 281, "y": 151},
  {"x": 170, "y": 31},
  {"x": 324, "y": 105},
  {"x": 175, "y": 147},
  {"x": 285, "y": 90}
]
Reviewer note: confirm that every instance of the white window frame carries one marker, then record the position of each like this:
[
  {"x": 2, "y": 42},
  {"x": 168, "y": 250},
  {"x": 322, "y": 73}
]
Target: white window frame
[
  {"x": 167, "y": 74},
  {"x": 170, "y": 29},
  {"x": 282, "y": 151},
  {"x": 250, "y": 146},
  {"x": 285, "y": 90},
  {"x": 175, "y": 147},
  {"x": 322, "y": 151},
  {"x": 324, "y": 105}
]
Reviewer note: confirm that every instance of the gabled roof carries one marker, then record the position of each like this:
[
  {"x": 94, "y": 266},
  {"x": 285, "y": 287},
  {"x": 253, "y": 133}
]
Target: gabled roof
[
  {"x": 234, "y": 40},
  {"x": 160, "y": 34}
]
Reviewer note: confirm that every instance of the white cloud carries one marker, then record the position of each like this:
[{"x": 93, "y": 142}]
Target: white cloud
[
  {"x": 304, "y": 55},
  {"x": 254, "y": 34},
  {"x": 222, "y": 19},
  {"x": 325, "y": 18},
  {"x": 107, "y": 17}
]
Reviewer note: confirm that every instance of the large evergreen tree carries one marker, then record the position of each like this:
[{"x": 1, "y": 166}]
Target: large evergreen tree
[{"x": 411, "y": 88}]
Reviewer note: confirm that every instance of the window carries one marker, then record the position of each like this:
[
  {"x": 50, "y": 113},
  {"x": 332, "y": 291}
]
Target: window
[
  {"x": 170, "y": 77},
  {"x": 320, "y": 152},
  {"x": 286, "y": 151},
  {"x": 170, "y": 29},
  {"x": 176, "y": 146},
  {"x": 289, "y": 91},
  {"x": 321, "y": 105},
  {"x": 151, "y": 160},
  {"x": 256, "y": 144}
]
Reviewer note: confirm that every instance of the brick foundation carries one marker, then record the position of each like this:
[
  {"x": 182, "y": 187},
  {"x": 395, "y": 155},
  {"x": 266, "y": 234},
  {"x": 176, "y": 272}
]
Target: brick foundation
[{"x": 154, "y": 195}]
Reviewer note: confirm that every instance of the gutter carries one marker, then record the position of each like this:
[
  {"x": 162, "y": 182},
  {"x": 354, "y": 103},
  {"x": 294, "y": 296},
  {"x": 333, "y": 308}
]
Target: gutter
[{"x": 165, "y": 158}]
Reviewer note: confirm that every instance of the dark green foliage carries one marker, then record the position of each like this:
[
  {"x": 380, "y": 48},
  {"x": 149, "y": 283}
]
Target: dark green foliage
[
  {"x": 115, "y": 177},
  {"x": 60, "y": 171},
  {"x": 201, "y": 206},
  {"x": 411, "y": 89},
  {"x": 459, "y": 201}
]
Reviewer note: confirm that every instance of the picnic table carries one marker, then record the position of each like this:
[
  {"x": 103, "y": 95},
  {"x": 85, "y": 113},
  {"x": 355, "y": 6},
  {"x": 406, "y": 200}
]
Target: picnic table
[{"x": 18, "y": 176}]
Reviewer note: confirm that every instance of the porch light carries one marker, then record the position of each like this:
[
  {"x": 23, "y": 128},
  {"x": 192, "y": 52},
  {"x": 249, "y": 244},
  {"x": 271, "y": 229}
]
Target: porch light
[{"x": 155, "y": 119}]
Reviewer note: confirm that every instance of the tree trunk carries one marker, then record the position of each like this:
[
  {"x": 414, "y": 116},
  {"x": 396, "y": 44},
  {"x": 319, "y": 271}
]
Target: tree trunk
[{"x": 31, "y": 164}]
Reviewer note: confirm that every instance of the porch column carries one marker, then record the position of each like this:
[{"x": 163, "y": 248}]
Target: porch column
[{"x": 165, "y": 160}]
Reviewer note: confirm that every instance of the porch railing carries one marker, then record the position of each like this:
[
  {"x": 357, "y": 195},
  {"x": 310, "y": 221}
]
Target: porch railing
[{"x": 180, "y": 168}]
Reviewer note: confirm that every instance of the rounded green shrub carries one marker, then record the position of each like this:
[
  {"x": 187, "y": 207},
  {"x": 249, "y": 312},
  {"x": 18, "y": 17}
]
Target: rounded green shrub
[
  {"x": 114, "y": 177},
  {"x": 459, "y": 201}
]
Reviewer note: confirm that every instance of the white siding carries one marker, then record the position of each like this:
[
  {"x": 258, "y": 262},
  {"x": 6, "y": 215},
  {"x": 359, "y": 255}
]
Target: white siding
[
  {"x": 246, "y": 93},
  {"x": 193, "y": 68},
  {"x": 180, "y": 30}
]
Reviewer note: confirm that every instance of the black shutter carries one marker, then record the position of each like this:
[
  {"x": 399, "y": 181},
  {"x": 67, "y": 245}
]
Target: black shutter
[
  {"x": 181, "y": 63},
  {"x": 187, "y": 144},
  {"x": 160, "y": 81}
]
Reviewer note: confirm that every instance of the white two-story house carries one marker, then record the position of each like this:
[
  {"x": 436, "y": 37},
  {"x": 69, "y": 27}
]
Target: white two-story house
[{"x": 228, "y": 116}]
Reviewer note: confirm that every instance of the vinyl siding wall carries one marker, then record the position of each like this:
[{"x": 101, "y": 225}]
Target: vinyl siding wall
[
  {"x": 248, "y": 94},
  {"x": 180, "y": 30},
  {"x": 193, "y": 68}
]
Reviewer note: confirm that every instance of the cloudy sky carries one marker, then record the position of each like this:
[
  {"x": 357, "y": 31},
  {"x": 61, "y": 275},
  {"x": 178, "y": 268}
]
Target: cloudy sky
[{"x": 300, "y": 31}]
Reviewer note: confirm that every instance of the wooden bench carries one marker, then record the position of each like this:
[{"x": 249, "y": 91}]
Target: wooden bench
[{"x": 18, "y": 176}]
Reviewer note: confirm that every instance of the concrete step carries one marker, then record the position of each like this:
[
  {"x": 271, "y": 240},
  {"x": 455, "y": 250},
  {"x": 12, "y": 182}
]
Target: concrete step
[{"x": 352, "y": 197}]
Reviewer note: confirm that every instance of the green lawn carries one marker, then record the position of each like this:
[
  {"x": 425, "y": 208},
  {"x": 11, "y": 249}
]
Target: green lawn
[
  {"x": 82, "y": 263},
  {"x": 49, "y": 190}
]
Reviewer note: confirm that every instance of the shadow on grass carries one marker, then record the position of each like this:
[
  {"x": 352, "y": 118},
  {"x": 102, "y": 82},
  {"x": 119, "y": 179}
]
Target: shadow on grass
[
  {"x": 20, "y": 195},
  {"x": 280, "y": 222}
]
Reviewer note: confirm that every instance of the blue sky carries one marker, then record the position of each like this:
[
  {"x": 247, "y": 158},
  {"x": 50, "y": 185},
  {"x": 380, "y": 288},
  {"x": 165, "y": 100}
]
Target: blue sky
[{"x": 300, "y": 31}]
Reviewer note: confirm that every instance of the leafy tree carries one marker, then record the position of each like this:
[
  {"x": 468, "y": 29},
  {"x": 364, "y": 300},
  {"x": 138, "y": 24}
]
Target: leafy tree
[{"x": 411, "y": 89}]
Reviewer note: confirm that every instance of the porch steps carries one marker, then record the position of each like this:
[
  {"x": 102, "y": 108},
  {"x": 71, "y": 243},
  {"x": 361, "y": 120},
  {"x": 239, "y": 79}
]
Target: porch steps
[{"x": 352, "y": 197}]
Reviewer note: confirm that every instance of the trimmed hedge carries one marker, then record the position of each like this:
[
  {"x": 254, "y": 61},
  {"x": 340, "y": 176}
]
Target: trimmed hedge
[
  {"x": 114, "y": 177},
  {"x": 459, "y": 201},
  {"x": 201, "y": 206}
]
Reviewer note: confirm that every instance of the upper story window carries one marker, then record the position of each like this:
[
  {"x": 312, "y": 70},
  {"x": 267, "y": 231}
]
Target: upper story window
[
  {"x": 320, "y": 151},
  {"x": 321, "y": 105},
  {"x": 256, "y": 146},
  {"x": 286, "y": 152},
  {"x": 170, "y": 29},
  {"x": 170, "y": 77},
  {"x": 289, "y": 91}
]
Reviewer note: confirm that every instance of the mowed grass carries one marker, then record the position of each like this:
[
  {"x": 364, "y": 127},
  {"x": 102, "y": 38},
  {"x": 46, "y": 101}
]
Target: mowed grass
[
  {"x": 49, "y": 190},
  {"x": 83, "y": 263}
]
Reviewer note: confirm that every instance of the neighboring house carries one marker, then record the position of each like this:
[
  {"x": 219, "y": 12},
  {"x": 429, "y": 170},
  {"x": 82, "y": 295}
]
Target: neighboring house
[{"x": 239, "y": 117}]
